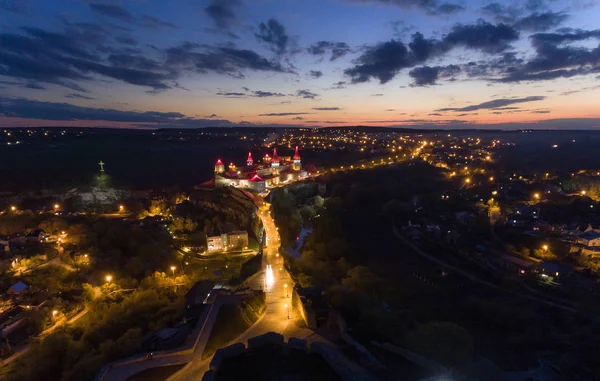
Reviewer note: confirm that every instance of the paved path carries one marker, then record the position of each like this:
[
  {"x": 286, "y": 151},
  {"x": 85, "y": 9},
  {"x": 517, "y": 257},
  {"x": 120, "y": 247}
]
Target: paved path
[{"x": 279, "y": 315}]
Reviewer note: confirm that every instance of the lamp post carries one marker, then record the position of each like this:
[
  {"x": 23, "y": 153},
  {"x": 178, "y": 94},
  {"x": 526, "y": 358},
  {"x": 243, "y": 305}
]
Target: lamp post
[
  {"x": 54, "y": 313},
  {"x": 287, "y": 295},
  {"x": 108, "y": 278},
  {"x": 545, "y": 247},
  {"x": 288, "y": 310},
  {"x": 56, "y": 206},
  {"x": 173, "y": 270}
]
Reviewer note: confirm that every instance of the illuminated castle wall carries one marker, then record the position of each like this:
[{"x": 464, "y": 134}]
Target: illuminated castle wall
[{"x": 258, "y": 177}]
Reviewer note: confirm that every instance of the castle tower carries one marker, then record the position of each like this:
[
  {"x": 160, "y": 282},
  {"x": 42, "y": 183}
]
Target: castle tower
[
  {"x": 232, "y": 167},
  {"x": 275, "y": 160},
  {"x": 249, "y": 161},
  {"x": 297, "y": 161},
  {"x": 267, "y": 159},
  {"x": 219, "y": 167}
]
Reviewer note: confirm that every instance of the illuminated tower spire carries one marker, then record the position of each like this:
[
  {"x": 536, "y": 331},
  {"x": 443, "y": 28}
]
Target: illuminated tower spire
[
  {"x": 219, "y": 167},
  {"x": 297, "y": 161},
  {"x": 275, "y": 161},
  {"x": 249, "y": 161}
]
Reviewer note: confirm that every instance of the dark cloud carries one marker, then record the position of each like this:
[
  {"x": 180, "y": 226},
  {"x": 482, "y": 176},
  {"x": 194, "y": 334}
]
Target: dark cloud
[
  {"x": 494, "y": 104},
  {"x": 64, "y": 58},
  {"x": 336, "y": 49},
  {"x": 431, "y": 7},
  {"x": 221, "y": 60},
  {"x": 382, "y": 61},
  {"x": 34, "y": 86},
  {"x": 306, "y": 94},
  {"x": 481, "y": 36},
  {"x": 541, "y": 112},
  {"x": 152, "y": 22},
  {"x": 126, "y": 40},
  {"x": 264, "y": 94},
  {"x": 326, "y": 108},
  {"x": 316, "y": 73},
  {"x": 113, "y": 11},
  {"x": 250, "y": 93},
  {"x": 539, "y": 22},
  {"x": 285, "y": 114},
  {"x": 212, "y": 116},
  {"x": 232, "y": 94},
  {"x": 554, "y": 58},
  {"x": 273, "y": 34},
  {"x": 427, "y": 75},
  {"x": 339, "y": 85},
  {"x": 222, "y": 12},
  {"x": 78, "y": 96},
  {"x": 385, "y": 60},
  {"x": 434, "y": 114},
  {"x": 297, "y": 118},
  {"x": 424, "y": 75},
  {"x": 15, "y": 7},
  {"x": 25, "y": 108}
]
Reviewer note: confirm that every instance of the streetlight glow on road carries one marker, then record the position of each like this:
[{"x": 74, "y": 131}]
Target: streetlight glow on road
[{"x": 269, "y": 278}]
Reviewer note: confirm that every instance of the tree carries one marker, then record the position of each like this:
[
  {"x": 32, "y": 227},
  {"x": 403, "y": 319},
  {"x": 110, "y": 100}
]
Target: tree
[
  {"x": 54, "y": 225},
  {"x": 190, "y": 225},
  {"x": 444, "y": 342}
]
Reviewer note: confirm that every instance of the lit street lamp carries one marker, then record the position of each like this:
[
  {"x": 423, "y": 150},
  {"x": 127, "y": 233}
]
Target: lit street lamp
[
  {"x": 287, "y": 295},
  {"x": 545, "y": 247},
  {"x": 173, "y": 270},
  {"x": 108, "y": 278},
  {"x": 288, "y": 310},
  {"x": 56, "y": 206},
  {"x": 13, "y": 208}
]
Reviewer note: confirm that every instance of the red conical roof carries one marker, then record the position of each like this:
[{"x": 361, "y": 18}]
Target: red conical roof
[
  {"x": 219, "y": 162},
  {"x": 275, "y": 158},
  {"x": 250, "y": 156},
  {"x": 296, "y": 154}
]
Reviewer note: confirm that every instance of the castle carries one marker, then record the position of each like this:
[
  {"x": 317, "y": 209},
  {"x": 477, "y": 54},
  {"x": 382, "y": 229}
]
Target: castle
[{"x": 258, "y": 177}]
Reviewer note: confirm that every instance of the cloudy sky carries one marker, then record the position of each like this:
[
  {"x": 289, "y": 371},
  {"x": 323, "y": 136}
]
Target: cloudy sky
[{"x": 196, "y": 63}]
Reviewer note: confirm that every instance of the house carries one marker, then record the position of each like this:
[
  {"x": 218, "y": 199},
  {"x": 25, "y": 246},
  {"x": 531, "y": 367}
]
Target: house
[
  {"x": 36, "y": 236},
  {"x": 549, "y": 271},
  {"x": 17, "y": 289},
  {"x": 514, "y": 264},
  {"x": 590, "y": 240}
]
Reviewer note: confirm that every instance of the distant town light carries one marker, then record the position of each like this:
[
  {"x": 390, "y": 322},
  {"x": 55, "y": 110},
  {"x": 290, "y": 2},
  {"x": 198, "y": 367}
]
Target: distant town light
[
  {"x": 536, "y": 195},
  {"x": 108, "y": 278},
  {"x": 583, "y": 193},
  {"x": 545, "y": 247},
  {"x": 13, "y": 208},
  {"x": 56, "y": 206}
]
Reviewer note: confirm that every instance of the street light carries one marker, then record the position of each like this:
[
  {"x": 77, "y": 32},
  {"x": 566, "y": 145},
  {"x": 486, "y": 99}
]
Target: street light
[
  {"x": 54, "y": 313},
  {"x": 287, "y": 295},
  {"x": 173, "y": 270},
  {"x": 108, "y": 278},
  {"x": 288, "y": 310},
  {"x": 13, "y": 208},
  {"x": 583, "y": 193},
  {"x": 56, "y": 206},
  {"x": 121, "y": 208},
  {"x": 545, "y": 247},
  {"x": 537, "y": 196}
]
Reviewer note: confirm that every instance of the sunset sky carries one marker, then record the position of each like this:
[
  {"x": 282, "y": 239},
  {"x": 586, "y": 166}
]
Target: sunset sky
[{"x": 198, "y": 63}]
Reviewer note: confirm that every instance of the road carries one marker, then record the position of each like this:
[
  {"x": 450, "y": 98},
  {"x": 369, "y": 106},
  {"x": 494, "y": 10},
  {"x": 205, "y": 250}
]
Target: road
[{"x": 279, "y": 315}]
